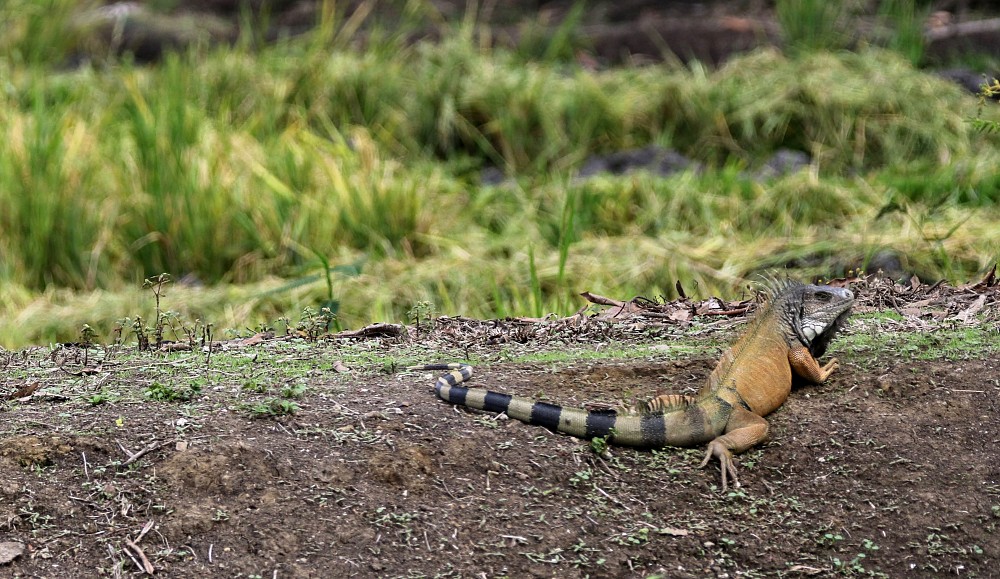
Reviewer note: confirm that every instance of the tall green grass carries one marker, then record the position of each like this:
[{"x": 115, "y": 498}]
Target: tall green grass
[
  {"x": 814, "y": 25},
  {"x": 38, "y": 32},
  {"x": 242, "y": 167},
  {"x": 905, "y": 20}
]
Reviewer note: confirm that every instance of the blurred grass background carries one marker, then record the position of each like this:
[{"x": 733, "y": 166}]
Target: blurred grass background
[{"x": 251, "y": 172}]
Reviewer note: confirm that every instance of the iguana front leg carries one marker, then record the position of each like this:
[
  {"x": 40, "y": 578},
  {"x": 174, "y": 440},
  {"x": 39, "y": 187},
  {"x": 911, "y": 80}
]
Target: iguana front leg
[
  {"x": 744, "y": 430},
  {"x": 805, "y": 365}
]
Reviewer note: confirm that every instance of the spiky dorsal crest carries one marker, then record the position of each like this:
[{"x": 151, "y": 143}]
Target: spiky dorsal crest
[
  {"x": 772, "y": 285},
  {"x": 777, "y": 290}
]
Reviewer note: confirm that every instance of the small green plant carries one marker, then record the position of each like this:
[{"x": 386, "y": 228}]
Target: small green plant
[
  {"x": 599, "y": 446},
  {"x": 638, "y": 537},
  {"x": 272, "y": 408},
  {"x": 157, "y": 285},
  {"x": 315, "y": 324},
  {"x": 989, "y": 90},
  {"x": 167, "y": 393},
  {"x": 87, "y": 335},
  {"x": 829, "y": 539},
  {"x": 141, "y": 334},
  {"x": 487, "y": 421},
  {"x": 854, "y": 567},
  {"x": 35, "y": 519},
  {"x": 101, "y": 397},
  {"x": 422, "y": 310},
  {"x": 254, "y": 385},
  {"x": 293, "y": 391},
  {"x": 351, "y": 270},
  {"x": 580, "y": 477}
]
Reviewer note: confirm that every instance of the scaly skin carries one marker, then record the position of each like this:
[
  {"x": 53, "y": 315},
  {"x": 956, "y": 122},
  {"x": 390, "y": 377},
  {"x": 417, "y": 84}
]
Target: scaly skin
[{"x": 751, "y": 380}]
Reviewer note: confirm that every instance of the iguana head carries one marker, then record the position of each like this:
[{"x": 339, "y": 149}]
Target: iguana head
[{"x": 817, "y": 312}]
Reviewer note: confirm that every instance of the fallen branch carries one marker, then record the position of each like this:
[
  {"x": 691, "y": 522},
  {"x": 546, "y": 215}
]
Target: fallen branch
[
  {"x": 146, "y": 565},
  {"x": 148, "y": 449}
]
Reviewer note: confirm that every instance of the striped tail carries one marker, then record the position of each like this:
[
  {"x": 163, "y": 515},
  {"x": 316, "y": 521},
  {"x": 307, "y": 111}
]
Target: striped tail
[{"x": 648, "y": 429}]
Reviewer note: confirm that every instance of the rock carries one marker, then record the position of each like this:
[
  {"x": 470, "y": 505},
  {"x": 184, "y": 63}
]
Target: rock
[
  {"x": 10, "y": 550},
  {"x": 888, "y": 262},
  {"x": 491, "y": 176},
  {"x": 783, "y": 162},
  {"x": 130, "y": 28},
  {"x": 967, "y": 79},
  {"x": 655, "y": 159}
]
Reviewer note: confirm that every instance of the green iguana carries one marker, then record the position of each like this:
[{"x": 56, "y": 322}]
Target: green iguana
[{"x": 753, "y": 378}]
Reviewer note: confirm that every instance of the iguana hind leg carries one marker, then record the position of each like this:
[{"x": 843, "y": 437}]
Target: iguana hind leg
[{"x": 744, "y": 430}]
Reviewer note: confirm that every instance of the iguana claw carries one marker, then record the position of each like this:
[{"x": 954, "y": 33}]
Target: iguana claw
[{"x": 726, "y": 463}]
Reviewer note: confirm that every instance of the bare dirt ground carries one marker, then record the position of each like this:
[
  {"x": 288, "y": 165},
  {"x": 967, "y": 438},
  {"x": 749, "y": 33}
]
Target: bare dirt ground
[{"x": 889, "y": 469}]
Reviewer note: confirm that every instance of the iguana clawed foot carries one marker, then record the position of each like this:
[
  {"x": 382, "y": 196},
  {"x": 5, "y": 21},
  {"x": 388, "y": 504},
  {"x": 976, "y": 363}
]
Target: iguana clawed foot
[
  {"x": 829, "y": 368},
  {"x": 726, "y": 463}
]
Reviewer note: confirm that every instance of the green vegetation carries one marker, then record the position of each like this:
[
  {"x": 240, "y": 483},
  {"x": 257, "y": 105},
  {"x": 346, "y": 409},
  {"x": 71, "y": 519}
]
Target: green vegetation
[
  {"x": 169, "y": 393},
  {"x": 874, "y": 334},
  {"x": 813, "y": 24},
  {"x": 312, "y": 175}
]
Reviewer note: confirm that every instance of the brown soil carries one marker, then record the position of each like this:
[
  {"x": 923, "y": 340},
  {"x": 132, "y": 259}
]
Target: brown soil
[{"x": 890, "y": 468}]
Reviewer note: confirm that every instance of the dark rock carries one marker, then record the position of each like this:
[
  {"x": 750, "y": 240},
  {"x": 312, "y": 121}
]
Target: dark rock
[
  {"x": 651, "y": 37},
  {"x": 655, "y": 159},
  {"x": 967, "y": 79},
  {"x": 888, "y": 262},
  {"x": 129, "y": 28},
  {"x": 491, "y": 176},
  {"x": 955, "y": 39},
  {"x": 783, "y": 162},
  {"x": 235, "y": 7}
]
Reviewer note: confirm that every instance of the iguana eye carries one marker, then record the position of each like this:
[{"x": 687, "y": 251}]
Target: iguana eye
[{"x": 824, "y": 296}]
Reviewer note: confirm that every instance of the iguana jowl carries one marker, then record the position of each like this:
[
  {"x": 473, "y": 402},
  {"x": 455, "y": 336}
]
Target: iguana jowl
[{"x": 753, "y": 378}]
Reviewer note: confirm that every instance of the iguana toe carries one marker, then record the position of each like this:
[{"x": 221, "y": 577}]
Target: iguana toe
[{"x": 726, "y": 463}]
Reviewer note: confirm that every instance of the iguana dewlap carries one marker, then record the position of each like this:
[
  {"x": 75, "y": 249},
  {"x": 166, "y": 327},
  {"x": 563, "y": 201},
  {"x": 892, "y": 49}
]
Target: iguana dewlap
[{"x": 753, "y": 378}]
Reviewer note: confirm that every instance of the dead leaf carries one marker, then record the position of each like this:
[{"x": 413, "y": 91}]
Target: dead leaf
[
  {"x": 339, "y": 366},
  {"x": 253, "y": 340},
  {"x": 674, "y": 532},
  {"x": 966, "y": 315},
  {"x": 85, "y": 371},
  {"x": 601, "y": 300},
  {"x": 175, "y": 347},
  {"x": 681, "y": 315},
  {"x": 24, "y": 392}
]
